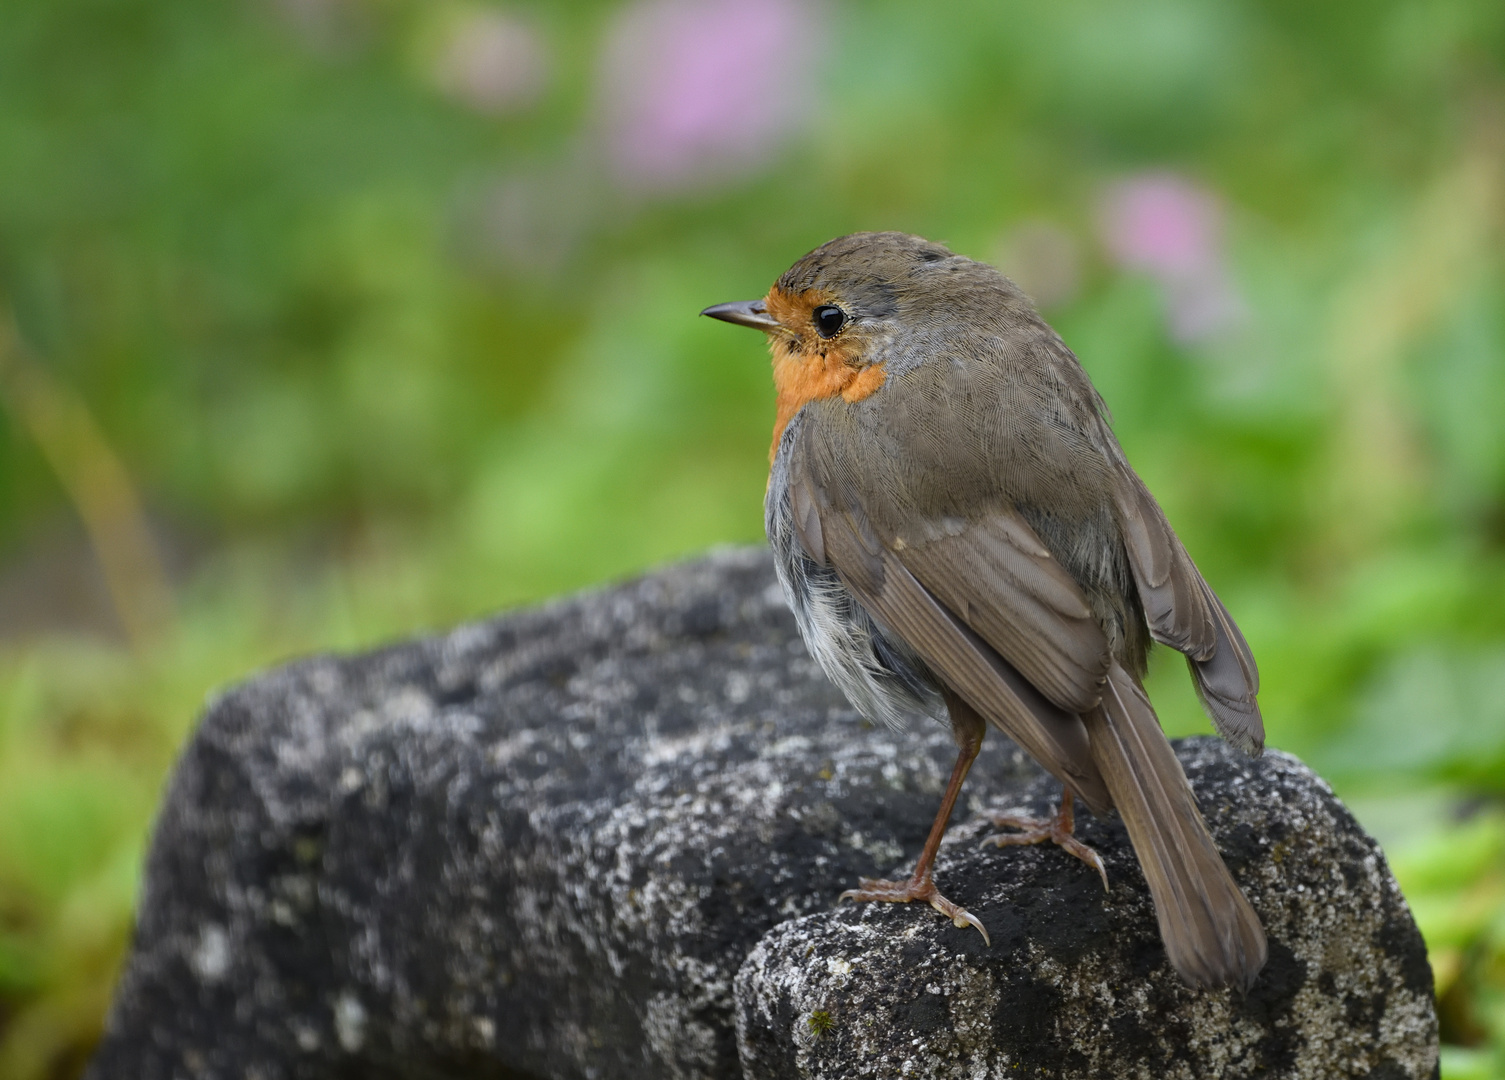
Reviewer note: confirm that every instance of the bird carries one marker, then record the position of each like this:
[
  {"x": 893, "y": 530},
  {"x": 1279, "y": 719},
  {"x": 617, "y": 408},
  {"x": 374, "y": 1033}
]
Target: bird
[{"x": 960, "y": 536}]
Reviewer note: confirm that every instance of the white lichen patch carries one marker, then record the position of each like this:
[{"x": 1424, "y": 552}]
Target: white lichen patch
[
  {"x": 349, "y": 1022},
  {"x": 210, "y": 958}
]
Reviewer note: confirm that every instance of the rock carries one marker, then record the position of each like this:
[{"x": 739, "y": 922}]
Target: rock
[
  {"x": 1076, "y": 983},
  {"x": 544, "y": 845}
]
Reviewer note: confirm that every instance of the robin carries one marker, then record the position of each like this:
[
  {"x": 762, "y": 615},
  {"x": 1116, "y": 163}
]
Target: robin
[{"x": 960, "y": 535}]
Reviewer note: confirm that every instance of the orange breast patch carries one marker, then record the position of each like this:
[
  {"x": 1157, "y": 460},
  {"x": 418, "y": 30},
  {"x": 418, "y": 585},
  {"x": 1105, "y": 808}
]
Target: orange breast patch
[{"x": 800, "y": 376}]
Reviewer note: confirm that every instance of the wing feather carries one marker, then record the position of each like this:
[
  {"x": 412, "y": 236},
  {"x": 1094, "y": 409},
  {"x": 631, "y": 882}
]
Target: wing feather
[
  {"x": 964, "y": 661},
  {"x": 1184, "y": 613},
  {"x": 1170, "y": 587},
  {"x": 999, "y": 579}
]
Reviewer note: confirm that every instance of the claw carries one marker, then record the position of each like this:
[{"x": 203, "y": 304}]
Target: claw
[
  {"x": 1088, "y": 856},
  {"x": 1058, "y": 829},
  {"x": 902, "y": 892},
  {"x": 963, "y": 919}
]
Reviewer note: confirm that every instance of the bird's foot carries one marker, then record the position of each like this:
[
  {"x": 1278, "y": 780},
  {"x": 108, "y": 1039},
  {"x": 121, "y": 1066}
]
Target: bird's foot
[
  {"x": 914, "y": 888},
  {"x": 1058, "y": 829}
]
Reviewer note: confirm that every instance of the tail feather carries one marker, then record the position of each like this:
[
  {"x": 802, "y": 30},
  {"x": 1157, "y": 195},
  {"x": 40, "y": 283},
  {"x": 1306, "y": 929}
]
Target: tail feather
[{"x": 1211, "y": 933}]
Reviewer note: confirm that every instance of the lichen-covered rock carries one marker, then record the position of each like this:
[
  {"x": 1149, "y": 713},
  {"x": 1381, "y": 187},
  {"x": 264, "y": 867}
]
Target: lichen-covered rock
[
  {"x": 1076, "y": 983},
  {"x": 543, "y": 846}
]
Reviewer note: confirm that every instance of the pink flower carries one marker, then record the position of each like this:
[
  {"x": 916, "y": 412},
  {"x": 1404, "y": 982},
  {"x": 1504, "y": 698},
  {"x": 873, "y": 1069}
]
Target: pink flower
[
  {"x": 1163, "y": 224},
  {"x": 1170, "y": 228},
  {"x": 695, "y": 89}
]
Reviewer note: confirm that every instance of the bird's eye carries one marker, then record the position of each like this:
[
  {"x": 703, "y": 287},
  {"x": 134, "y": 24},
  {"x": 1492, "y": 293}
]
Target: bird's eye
[{"x": 829, "y": 320}]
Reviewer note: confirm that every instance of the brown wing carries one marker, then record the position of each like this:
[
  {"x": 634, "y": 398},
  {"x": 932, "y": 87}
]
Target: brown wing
[
  {"x": 838, "y": 533},
  {"x": 998, "y": 578},
  {"x": 1184, "y": 613}
]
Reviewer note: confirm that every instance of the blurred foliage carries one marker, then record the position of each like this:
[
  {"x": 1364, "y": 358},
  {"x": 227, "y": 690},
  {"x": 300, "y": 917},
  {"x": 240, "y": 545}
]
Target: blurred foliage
[{"x": 381, "y": 347}]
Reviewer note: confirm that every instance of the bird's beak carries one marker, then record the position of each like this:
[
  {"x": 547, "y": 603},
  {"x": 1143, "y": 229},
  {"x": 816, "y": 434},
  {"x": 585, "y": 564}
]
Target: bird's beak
[{"x": 744, "y": 313}]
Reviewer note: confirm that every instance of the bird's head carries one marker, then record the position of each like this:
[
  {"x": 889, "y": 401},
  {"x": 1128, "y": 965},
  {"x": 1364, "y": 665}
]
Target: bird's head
[{"x": 836, "y": 316}]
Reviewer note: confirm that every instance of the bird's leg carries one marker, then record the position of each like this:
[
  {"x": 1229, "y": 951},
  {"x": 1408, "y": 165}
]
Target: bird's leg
[
  {"x": 968, "y": 729},
  {"x": 1058, "y": 829}
]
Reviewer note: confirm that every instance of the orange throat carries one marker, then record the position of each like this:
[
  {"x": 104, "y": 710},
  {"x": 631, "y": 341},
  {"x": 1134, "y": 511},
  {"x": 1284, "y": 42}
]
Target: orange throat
[{"x": 800, "y": 376}]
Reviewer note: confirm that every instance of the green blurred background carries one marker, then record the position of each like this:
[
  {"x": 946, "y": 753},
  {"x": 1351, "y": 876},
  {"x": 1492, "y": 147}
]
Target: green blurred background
[{"x": 324, "y": 322}]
